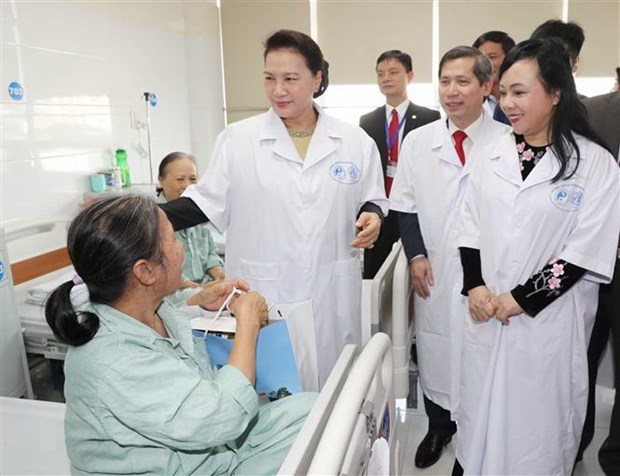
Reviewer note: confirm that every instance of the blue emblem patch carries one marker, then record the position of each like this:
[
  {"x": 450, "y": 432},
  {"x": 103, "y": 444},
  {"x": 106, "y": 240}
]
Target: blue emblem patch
[
  {"x": 567, "y": 197},
  {"x": 345, "y": 172}
]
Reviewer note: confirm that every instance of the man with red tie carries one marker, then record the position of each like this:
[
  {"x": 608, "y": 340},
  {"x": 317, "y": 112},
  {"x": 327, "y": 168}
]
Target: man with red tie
[
  {"x": 388, "y": 125},
  {"x": 434, "y": 165}
]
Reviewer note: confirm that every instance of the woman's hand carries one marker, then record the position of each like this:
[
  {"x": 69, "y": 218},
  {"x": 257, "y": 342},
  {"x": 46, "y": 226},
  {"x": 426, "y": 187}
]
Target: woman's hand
[
  {"x": 481, "y": 305},
  {"x": 217, "y": 273},
  {"x": 189, "y": 284},
  {"x": 369, "y": 224},
  {"x": 506, "y": 307},
  {"x": 250, "y": 310},
  {"x": 213, "y": 294}
]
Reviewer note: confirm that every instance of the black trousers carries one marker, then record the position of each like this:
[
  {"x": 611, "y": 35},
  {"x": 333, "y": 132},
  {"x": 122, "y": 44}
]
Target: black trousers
[
  {"x": 598, "y": 341},
  {"x": 609, "y": 304},
  {"x": 606, "y": 319},
  {"x": 374, "y": 258},
  {"x": 439, "y": 421}
]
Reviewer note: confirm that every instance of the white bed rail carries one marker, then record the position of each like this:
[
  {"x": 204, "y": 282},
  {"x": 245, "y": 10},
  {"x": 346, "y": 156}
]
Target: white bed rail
[
  {"x": 402, "y": 325},
  {"x": 359, "y": 415},
  {"x": 300, "y": 455},
  {"x": 26, "y": 239}
]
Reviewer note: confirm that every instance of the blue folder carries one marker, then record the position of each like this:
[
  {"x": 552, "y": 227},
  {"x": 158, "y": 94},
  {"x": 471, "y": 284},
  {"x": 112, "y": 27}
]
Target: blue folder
[{"x": 275, "y": 360}]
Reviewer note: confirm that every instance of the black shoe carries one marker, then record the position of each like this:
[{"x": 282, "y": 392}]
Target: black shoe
[
  {"x": 609, "y": 457},
  {"x": 430, "y": 450}
]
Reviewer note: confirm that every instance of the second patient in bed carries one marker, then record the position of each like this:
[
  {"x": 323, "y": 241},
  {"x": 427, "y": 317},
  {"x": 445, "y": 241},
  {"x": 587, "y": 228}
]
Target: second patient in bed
[{"x": 202, "y": 263}]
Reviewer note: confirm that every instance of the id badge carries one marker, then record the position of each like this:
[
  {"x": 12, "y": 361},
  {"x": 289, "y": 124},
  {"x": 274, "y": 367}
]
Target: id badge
[{"x": 390, "y": 171}]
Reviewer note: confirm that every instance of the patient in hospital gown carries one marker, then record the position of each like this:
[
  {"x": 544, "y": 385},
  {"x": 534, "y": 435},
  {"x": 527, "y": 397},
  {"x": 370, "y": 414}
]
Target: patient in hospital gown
[{"x": 141, "y": 395}]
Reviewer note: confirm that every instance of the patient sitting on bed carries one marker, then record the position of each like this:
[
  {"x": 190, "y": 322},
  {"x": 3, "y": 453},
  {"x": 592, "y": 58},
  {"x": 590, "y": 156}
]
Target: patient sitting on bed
[{"x": 141, "y": 396}]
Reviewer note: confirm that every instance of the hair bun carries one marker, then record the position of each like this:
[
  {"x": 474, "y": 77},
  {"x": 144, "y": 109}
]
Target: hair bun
[{"x": 324, "y": 79}]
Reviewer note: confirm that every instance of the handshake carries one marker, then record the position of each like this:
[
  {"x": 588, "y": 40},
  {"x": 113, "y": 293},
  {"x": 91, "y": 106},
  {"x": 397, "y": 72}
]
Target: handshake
[{"x": 483, "y": 305}]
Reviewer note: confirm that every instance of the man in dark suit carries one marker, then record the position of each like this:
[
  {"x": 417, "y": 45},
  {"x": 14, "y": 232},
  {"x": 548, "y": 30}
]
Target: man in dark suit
[
  {"x": 394, "y": 72},
  {"x": 496, "y": 45}
]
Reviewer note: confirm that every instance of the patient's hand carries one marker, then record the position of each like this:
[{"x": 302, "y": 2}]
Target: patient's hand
[
  {"x": 215, "y": 293},
  {"x": 216, "y": 272},
  {"x": 250, "y": 310},
  {"x": 189, "y": 284}
]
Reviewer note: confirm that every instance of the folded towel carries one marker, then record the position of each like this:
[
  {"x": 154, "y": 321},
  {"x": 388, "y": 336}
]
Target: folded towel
[{"x": 38, "y": 294}]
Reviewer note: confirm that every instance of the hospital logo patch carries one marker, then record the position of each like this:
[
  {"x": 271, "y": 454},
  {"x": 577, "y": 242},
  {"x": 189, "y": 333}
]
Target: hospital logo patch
[
  {"x": 567, "y": 197},
  {"x": 345, "y": 172}
]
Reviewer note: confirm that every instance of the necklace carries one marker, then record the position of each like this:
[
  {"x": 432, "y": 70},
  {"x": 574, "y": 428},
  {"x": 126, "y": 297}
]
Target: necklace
[{"x": 300, "y": 132}]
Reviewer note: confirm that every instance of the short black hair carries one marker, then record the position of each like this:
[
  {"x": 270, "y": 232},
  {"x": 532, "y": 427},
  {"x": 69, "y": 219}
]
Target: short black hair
[
  {"x": 496, "y": 36},
  {"x": 402, "y": 58},
  {"x": 306, "y": 47},
  {"x": 571, "y": 35},
  {"x": 483, "y": 69}
]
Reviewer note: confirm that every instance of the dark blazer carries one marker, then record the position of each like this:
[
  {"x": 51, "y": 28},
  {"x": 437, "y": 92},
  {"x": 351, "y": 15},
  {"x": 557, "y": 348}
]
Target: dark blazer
[
  {"x": 374, "y": 125},
  {"x": 604, "y": 117}
]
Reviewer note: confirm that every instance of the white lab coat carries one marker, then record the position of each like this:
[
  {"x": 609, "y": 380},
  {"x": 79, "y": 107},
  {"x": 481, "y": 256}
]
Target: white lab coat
[
  {"x": 290, "y": 222},
  {"x": 431, "y": 182},
  {"x": 524, "y": 386}
]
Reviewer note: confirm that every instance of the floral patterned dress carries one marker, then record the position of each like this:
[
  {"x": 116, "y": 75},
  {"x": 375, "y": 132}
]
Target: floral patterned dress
[
  {"x": 557, "y": 276},
  {"x": 544, "y": 286}
]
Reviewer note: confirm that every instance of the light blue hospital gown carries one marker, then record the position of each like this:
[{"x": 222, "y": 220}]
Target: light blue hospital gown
[{"x": 138, "y": 403}]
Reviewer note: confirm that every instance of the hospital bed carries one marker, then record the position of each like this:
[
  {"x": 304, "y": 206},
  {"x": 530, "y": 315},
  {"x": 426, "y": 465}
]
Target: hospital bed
[
  {"x": 38, "y": 257},
  {"x": 386, "y": 307},
  {"x": 359, "y": 434},
  {"x": 32, "y": 437},
  {"x": 355, "y": 407},
  {"x": 300, "y": 455}
]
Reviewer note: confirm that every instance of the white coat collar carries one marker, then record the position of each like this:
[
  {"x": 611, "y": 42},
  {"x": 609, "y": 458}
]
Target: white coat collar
[
  {"x": 442, "y": 144},
  {"x": 484, "y": 131},
  {"x": 506, "y": 164},
  {"x": 324, "y": 141}
]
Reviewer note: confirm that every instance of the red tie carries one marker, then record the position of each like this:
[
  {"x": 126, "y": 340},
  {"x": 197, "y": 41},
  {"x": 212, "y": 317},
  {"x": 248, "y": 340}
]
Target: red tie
[
  {"x": 393, "y": 152},
  {"x": 459, "y": 138}
]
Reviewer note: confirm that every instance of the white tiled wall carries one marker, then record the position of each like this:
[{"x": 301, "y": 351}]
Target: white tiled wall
[{"x": 84, "y": 67}]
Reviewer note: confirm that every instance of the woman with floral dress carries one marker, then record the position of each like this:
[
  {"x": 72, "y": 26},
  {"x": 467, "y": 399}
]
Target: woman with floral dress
[{"x": 539, "y": 230}]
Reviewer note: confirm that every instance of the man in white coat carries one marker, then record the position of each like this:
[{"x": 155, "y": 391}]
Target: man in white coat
[{"x": 428, "y": 187}]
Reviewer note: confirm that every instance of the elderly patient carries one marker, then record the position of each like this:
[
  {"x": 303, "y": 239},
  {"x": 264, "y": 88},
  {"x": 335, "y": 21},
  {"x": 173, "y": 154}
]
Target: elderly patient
[{"x": 141, "y": 394}]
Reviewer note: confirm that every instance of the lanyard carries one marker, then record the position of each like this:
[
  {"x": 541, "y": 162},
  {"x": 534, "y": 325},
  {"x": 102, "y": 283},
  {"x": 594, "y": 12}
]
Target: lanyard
[
  {"x": 225, "y": 304},
  {"x": 392, "y": 140}
]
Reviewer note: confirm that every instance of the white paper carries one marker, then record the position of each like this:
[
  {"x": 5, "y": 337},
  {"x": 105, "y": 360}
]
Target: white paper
[{"x": 379, "y": 462}]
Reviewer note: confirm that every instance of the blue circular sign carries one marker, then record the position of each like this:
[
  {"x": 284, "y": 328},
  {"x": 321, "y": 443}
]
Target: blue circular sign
[
  {"x": 16, "y": 91},
  {"x": 152, "y": 99},
  {"x": 1, "y": 271}
]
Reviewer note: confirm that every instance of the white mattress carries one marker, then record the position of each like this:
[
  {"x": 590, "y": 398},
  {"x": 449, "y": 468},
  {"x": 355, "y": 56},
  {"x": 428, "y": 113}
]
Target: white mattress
[{"x": 33, "y": 437}]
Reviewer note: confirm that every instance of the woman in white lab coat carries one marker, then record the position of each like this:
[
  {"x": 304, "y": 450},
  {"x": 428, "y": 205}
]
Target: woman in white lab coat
[
  {"x": 540, "y": 227},
  {"x": 297, "y": 191}
]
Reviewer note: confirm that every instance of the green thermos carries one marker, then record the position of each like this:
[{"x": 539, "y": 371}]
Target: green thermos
[{"x": 121, "y": 162}]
